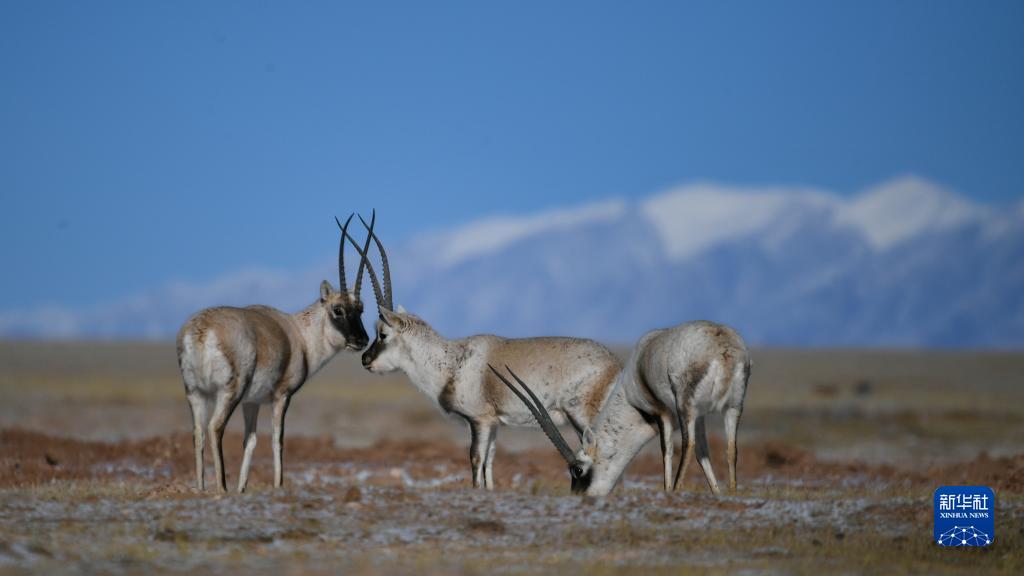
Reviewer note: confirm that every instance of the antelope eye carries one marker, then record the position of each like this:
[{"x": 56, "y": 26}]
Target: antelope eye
[
  {"x": 577, "y": 471},
  {"x": 338, "y": 311}
]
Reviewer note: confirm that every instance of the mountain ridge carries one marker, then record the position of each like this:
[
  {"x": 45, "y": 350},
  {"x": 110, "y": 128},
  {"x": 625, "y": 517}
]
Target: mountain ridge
[{"x": 904, "y": 263}]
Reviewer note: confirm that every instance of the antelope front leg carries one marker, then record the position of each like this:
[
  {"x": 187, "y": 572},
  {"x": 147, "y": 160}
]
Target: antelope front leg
[
  {"x": 280, "y": 408},
  {"x": 667, "y": 446},
  {"x": 489, "y": 463},
  {"x": 480, "y": 432}
]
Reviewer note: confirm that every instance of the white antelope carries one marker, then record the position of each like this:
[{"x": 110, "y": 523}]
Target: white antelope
[
  {"x": 258, "y": 355},
  {"x": 453, "y": 373},
  {"x": 679, "y": 374}
]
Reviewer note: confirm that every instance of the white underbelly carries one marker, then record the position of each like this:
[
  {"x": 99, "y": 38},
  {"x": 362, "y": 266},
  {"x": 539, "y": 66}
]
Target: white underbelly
[{"x": 557, "y": 416}]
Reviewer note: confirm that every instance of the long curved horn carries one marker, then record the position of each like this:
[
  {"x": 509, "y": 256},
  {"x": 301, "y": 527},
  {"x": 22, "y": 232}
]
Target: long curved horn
[
  {"x": 539, "y": 413},
  {"x": 369, "y": 266},
  {"x": 341, "y": 254},
  {"x": 362, "y": 263},
  {"x": 389, "y": 302}
]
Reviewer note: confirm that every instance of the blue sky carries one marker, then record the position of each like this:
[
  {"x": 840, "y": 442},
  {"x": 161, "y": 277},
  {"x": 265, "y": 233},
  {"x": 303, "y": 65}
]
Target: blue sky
[{"x": 142, "y": 142}]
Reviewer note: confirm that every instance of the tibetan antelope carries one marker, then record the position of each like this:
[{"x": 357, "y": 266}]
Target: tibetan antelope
[
  {"x": 453, "y": 373},
  {"x": 680, "y": 374},
  {"x": 258, "y": 355}
]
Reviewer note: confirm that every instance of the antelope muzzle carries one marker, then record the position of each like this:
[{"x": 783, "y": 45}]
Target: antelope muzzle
[{"x": 371, "y": 353}]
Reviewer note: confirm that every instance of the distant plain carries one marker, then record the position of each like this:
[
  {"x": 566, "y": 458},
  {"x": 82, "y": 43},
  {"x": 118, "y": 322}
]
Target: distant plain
[{"x": 840, "y": 451}]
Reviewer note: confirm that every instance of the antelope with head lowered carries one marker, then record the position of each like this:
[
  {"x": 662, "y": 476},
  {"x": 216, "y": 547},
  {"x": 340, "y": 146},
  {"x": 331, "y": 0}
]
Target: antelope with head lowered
[
  {"x": 453, "y": 373},
  {"x": 676, "y": 374},
  {"x": 258, "y": 355}
]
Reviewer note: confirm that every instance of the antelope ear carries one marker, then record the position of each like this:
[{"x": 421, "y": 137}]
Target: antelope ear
[
  {"x": 588, "y": 436},
  {"x": 393, "y": 319},
  {"x": 325, "y": 290},
  {"x": 401, "y": 309}
]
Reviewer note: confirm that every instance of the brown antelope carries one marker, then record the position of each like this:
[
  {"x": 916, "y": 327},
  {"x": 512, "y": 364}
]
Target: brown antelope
[
  {"x": 680, "y": 374},
  {"x": 453, "y": 373},
  {"x": 258, "y": 355}
]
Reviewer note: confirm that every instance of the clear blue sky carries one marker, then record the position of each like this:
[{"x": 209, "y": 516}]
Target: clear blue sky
[{"x": 147, "y": 141}]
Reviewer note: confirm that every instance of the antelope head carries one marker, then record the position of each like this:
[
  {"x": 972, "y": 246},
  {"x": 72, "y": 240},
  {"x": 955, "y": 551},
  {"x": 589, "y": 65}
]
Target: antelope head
[
  {"x": 397, "y": 330},
  {"x": 581, "y": 463},
  {"x": 343, "y": 308}
]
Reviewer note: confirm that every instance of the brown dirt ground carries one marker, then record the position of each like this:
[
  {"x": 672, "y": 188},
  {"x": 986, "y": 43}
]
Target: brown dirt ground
[{"x": 29, "y": 458}]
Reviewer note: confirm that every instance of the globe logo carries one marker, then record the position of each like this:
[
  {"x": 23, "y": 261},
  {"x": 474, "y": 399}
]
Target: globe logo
[{"x": 966, "y": 536}]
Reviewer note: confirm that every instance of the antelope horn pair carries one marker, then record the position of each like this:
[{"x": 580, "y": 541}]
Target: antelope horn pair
[
  {"x": 384, "y": 298},
  {"x": 341, "y": 260},
  {"x": 539, "y": 413}
]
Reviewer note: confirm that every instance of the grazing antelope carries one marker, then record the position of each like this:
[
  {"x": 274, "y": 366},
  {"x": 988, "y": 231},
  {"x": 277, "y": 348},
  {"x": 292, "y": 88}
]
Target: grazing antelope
[
  {"x": 258, "y": 355},
  {"x": 453, "y": 373},
  {"x": 679, "y": 373}
]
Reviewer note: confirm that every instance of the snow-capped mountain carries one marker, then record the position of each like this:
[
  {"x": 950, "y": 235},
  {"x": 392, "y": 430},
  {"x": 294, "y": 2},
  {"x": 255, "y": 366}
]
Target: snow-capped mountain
[{"x": 906, "y": 263}]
